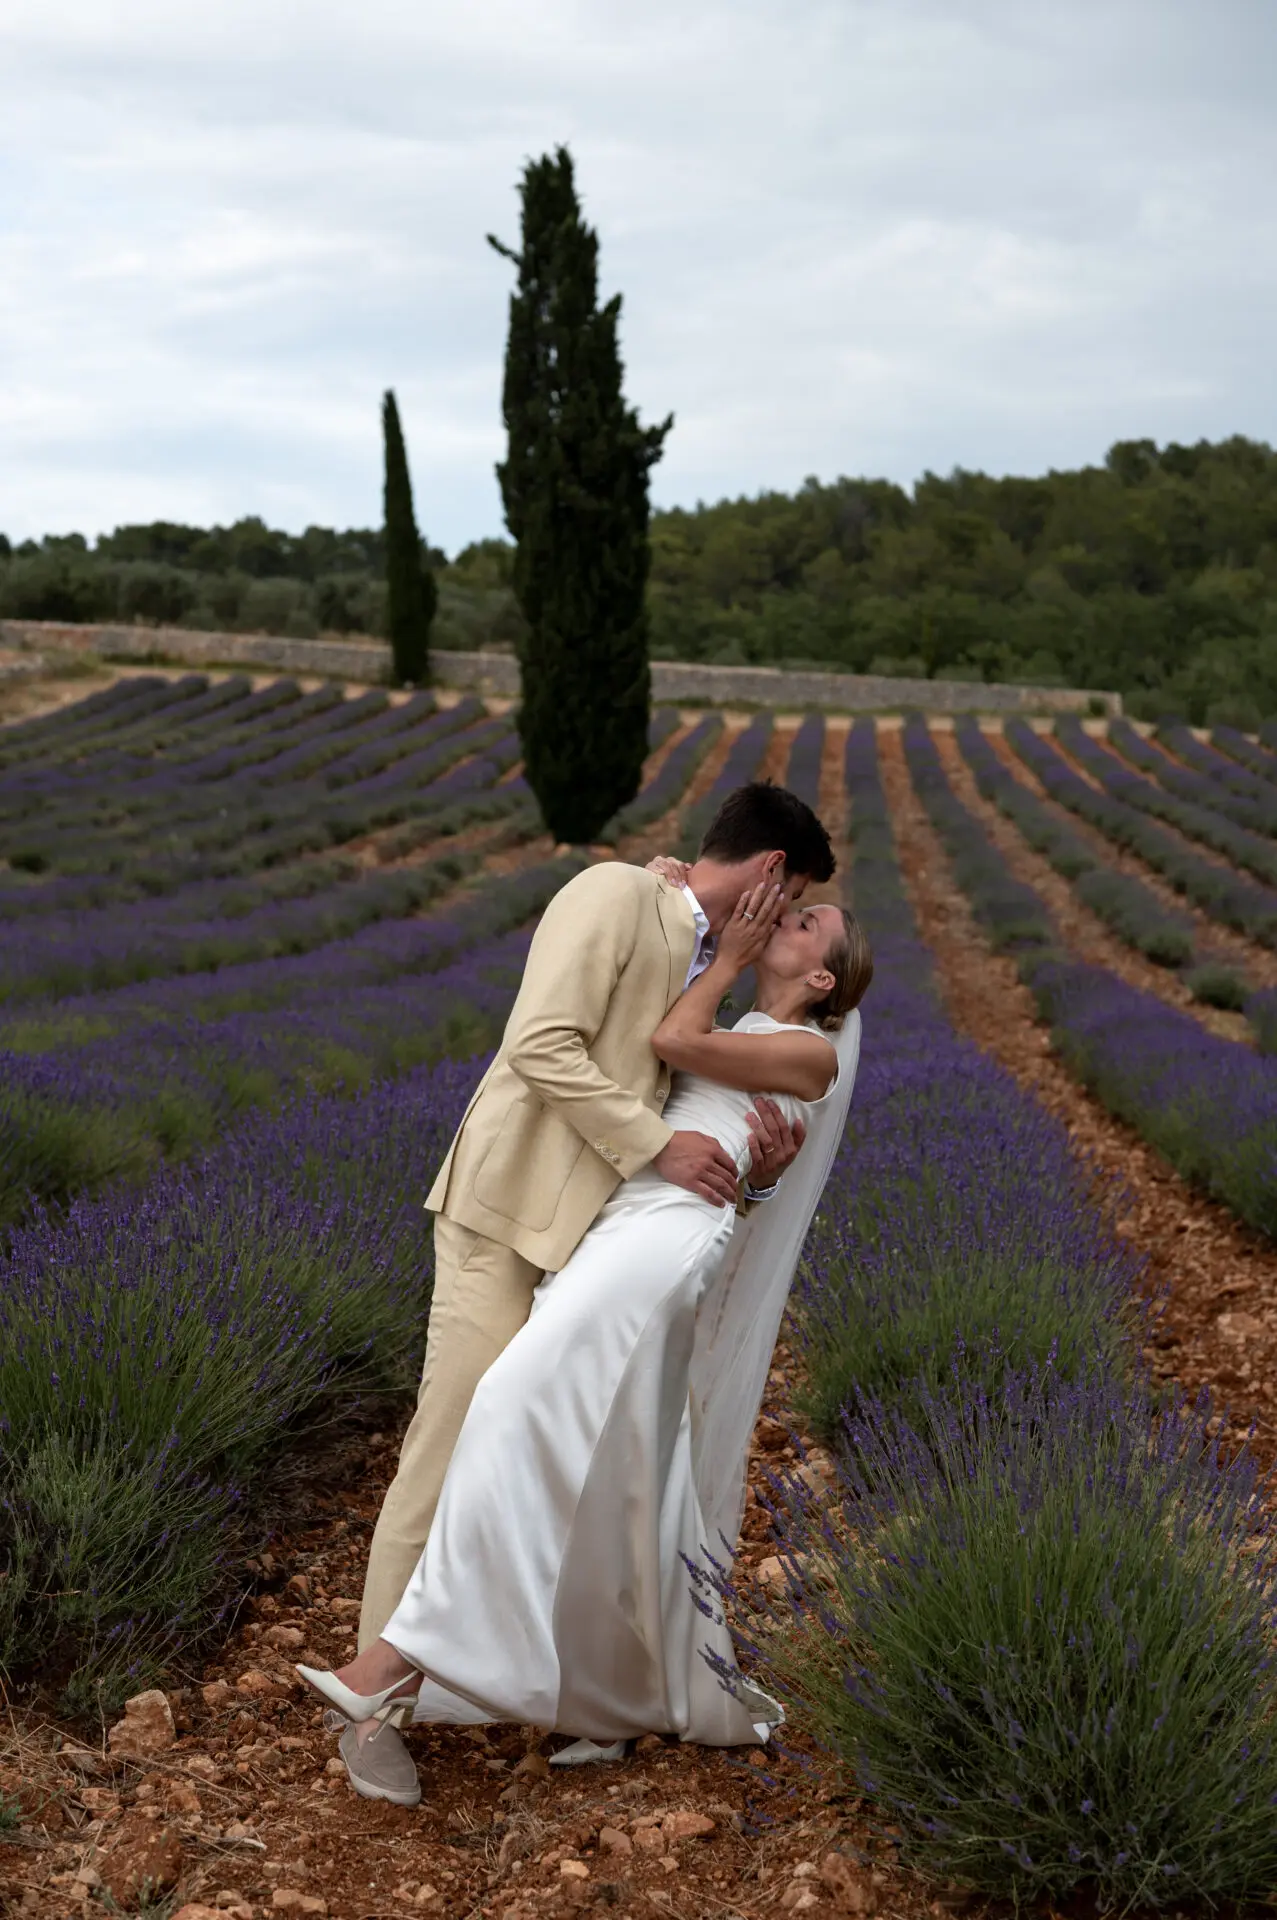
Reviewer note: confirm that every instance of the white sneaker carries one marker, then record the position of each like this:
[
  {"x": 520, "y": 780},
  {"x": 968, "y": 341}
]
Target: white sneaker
[{"x": 583, "y": 1753}]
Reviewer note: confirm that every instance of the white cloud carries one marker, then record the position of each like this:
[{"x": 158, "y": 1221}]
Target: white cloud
[{"x": 852, "y": 235}]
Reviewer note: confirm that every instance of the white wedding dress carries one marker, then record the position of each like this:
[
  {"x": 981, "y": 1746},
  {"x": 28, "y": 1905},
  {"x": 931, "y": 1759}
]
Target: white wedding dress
[{"x": 605, "y": 1450}]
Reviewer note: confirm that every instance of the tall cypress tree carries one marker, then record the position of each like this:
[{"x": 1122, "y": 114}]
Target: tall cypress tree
[
  {"x": 411, "y": 593},
  {"x": 574, "y": 486}
]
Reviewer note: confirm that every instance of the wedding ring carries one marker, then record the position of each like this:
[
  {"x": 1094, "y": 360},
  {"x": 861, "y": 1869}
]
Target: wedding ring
[{"x": 747, "y": 916}]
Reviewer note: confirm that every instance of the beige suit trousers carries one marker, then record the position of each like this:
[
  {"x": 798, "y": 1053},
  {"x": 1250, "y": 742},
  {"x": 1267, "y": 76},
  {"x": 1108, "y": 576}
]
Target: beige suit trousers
[{"x": 482, "y": 1296}]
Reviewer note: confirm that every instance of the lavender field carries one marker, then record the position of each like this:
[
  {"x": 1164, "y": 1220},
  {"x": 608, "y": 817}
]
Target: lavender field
[{"x": 256, "y": 946}]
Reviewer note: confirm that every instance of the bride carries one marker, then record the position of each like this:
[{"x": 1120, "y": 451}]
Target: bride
[{"x": 604, "y": 1454}]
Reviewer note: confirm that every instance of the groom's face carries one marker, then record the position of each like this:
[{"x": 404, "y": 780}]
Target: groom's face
[{"x": 771, "y": 868}]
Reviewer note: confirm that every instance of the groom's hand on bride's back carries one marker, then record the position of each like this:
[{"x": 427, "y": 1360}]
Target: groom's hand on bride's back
[{"x": 697, "y": 1162}]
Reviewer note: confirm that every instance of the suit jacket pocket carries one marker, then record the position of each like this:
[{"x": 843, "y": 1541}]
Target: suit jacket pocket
[{"x": 524, "y": 1172}]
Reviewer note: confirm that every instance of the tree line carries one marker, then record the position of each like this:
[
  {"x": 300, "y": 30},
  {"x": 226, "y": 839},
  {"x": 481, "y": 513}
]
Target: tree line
[{"x": 1154, "y": 573}]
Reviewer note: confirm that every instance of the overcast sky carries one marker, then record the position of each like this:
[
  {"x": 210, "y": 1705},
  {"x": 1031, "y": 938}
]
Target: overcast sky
[{"x": 853, "y": 236}]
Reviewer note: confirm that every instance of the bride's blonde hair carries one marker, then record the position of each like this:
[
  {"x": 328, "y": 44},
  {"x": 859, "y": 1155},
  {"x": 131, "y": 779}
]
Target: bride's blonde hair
[{"x": 851, "y": 962}]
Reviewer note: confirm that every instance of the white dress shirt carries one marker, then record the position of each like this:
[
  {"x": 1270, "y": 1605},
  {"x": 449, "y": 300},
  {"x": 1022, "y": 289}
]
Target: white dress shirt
[{"x": 703, "y": 951}]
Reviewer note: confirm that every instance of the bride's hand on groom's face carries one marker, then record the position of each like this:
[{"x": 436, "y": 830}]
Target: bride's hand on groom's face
[
  {"x": 751, "y": 926},
  {"x": 773, "y": 1144}
]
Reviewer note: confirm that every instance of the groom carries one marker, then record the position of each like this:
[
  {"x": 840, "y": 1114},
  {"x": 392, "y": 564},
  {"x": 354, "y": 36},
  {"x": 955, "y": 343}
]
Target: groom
[{"x": 570, "y": 1106}]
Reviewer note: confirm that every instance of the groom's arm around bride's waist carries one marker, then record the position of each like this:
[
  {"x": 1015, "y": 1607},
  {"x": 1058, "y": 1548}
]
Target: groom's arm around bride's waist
[{"x": 572, "y": 1102}]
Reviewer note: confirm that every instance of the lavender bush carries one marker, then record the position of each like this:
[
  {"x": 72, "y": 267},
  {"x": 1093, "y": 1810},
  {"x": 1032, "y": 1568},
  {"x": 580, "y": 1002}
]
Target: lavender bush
[
  {"x": 156, "y": 1348},
  {"x": 802, "y": 775},
  {"x": 1039, "y": 1626},
  {"x": 957, "y": 1219}
]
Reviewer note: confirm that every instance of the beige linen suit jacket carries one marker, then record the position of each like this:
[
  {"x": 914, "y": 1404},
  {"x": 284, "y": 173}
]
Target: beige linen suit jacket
[{"x": 571, "y": 1105}]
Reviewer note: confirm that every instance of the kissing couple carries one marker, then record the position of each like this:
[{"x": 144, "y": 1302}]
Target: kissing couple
[{"x": 606, "y": 1304}]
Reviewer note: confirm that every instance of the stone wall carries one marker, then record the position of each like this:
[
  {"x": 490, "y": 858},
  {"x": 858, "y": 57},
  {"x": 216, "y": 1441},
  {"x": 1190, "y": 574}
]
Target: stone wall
[
  {"x": 18, "y": 666},
  {"x": 674, "y": 682},
  {"x": 335, "y": 659},
  {"x": 682, "y": 682}
]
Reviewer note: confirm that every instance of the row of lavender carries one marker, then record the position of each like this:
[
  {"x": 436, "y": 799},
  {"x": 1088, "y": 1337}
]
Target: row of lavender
[
  {"x": 1201, "y": 777},
  {"x": 132, "y": 825},
  {"x": 1231, "y": 775},
  {"x": 1125, "y": 903},
  {"x": 121, "y": 1080},
  {"x": 1199, "y": 805},
  {"x": 1108, "y": 800},
  {"x": 1023, "y": 1616},
  {"x": 98, "y": 1084},
  {"x": 1208, "y": 1104},
  {"x": 64, "y": 941},
  {"x": 744, "y": 758}
]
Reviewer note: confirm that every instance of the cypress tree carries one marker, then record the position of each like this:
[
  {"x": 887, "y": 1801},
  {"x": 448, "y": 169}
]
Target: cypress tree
[
  {"x": 411, "y": 594},
  {"x": 574, "y": 487}
]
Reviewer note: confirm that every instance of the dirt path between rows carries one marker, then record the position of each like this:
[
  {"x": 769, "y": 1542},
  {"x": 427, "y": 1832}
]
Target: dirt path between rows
[{"x": 1219, "y": 1278}]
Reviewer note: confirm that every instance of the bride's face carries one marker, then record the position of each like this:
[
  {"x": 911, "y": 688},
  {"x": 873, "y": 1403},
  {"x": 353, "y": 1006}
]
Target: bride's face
[{"x": 799, "y": 945}]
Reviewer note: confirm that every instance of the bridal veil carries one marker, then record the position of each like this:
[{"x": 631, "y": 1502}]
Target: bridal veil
[{"x": 740, "y": 1317}]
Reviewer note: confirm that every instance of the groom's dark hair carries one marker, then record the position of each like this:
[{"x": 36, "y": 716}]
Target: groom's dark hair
[{"x": 760, "y": 817}]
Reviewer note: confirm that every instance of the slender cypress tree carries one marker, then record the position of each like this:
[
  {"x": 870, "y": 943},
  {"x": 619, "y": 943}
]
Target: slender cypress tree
[
  {"x": 574, "y": 486},
  {"x": 411, "y": 594}
]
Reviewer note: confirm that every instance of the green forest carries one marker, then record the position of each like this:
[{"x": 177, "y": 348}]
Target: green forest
[{"x": 1154, "y": 573}]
